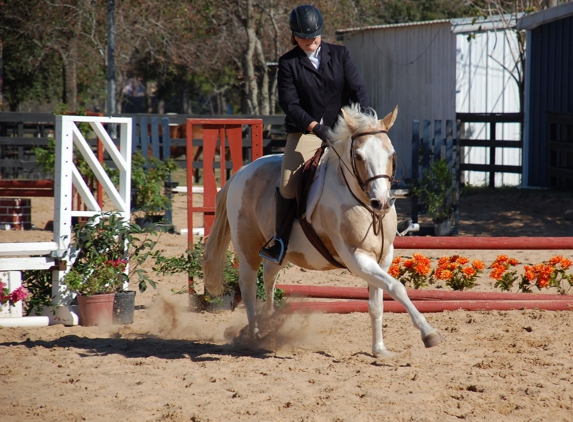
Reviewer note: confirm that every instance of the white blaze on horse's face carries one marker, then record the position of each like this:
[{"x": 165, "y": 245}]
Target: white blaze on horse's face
[{"x": 373, "y": 154}]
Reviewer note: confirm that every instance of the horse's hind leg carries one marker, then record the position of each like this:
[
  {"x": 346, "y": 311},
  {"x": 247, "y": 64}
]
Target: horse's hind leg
[
  {"x": 270, "y": 271},
  {"x": 248, "y": 285}
]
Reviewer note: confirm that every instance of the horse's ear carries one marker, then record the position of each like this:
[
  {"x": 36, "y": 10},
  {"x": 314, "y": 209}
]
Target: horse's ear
[
  {"x": 350, "y": 122},
  {"x": 390, "y": 118}
]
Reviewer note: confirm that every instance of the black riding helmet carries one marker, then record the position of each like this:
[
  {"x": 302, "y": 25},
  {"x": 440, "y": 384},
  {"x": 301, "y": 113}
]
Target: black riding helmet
[{"x": 306, "y": 21}]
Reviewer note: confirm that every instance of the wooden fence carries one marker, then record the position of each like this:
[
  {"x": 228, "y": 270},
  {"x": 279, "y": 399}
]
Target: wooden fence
[
  {"x": 560, "y": 150},
  {"x": 429, "y": 145},
  {"x": 492, "y": 143},
  {"x": 21, "y": 132}
]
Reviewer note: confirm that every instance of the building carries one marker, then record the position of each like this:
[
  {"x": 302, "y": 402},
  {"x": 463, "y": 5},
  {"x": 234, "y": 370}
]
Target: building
[
  {"x": 432, "y": 70},
  {"x": 548, "y": 126}
]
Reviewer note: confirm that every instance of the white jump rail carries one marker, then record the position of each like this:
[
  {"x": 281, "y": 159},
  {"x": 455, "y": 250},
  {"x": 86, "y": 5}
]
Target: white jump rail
[
  {"x": 54, "y": 255},
  {"x": 15, "y": 257}
]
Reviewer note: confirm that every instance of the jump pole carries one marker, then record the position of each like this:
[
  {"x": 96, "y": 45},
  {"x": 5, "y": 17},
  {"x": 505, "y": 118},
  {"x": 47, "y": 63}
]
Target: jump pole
[
  {"x": 346, "y": 307},
  {"x": 437, "y": 301},
  {"x": 483, "y": 243},
  {"x": 361, "y": 293}
]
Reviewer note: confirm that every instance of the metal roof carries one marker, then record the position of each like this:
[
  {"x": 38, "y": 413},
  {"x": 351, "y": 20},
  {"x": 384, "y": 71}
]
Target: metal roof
[
  {"x": 551, "y": 14},
  {"x": 459, "y": 25}
]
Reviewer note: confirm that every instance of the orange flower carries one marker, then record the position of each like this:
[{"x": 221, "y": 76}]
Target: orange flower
[
  {"x": 394, "y": 270},
  {"x": 497, "y": 273},
  {"x": 443, "y": 261},
  {"x": 529, "y": 273},
  {"x": 469, "y": 271},
  {"x": 555, "y": 260},
  {"x": 423, "y": 269},
  {"x": 566, "y": 263},
  {"x": 478, "y": 265},
  {"x": 462, "y": 260},
  {"x": 445, "y": 275},
  {"x": 513, "y": 262}
]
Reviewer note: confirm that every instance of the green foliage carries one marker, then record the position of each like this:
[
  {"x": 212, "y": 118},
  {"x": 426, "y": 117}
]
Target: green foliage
[
  {"x": 436, "y": 190},
  {"x": 104, "y": 246},
  {"x": 39, "y": 285},
  {"x": 191, "y": 263},
  {"x": 262, "y": 294},
  {"x": 148, "y": 177},
  {"x": 46, "y": 155}
]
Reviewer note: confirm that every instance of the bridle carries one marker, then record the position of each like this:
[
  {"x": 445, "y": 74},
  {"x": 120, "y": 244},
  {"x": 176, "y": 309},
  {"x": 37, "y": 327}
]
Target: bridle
[
  {"x": 376, "y": 218},
  {"x": 364, "y": 184}
]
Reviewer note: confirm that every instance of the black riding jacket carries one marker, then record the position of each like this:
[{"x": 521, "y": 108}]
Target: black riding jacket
[{"x": 307, "y": 94}]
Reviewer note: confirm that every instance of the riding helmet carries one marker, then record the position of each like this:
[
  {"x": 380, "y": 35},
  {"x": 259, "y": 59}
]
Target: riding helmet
[{"x": 306, "y": 21}]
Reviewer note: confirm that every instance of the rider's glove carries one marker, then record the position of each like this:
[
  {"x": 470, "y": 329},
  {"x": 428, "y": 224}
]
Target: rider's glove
[{"x": 323, "y": 132}]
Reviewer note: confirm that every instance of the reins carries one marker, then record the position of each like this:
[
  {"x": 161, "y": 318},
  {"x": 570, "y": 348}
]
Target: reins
[{"x": 376, "y": 218}]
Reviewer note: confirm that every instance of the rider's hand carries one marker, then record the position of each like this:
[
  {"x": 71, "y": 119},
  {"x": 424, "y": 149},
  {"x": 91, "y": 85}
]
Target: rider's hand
[{"x": 323, "y": 132}]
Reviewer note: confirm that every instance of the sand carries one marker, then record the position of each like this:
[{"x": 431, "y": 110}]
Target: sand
[{"x": 173, "y": 364}]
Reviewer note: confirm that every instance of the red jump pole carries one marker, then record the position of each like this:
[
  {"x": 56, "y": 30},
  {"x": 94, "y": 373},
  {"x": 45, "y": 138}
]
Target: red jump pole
[
  {"x": 431, "y": 306},
  {"x": 484, "y": 243},
  {"x": 332, "y": 292}
]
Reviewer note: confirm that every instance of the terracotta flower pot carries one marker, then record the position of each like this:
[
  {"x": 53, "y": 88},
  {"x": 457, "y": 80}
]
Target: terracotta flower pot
[{"x": 96, "y": 309}]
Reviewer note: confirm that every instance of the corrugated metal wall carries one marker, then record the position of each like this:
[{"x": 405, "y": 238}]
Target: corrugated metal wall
[
  {"x": 412, "y": 66},
  {"x": 550, "y": 52},
  {"x": 484, "y": 86}
]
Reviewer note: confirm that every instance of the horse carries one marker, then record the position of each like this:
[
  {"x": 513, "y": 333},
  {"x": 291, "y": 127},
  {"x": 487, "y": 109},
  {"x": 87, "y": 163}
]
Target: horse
[{"x": 354, "y": 217}]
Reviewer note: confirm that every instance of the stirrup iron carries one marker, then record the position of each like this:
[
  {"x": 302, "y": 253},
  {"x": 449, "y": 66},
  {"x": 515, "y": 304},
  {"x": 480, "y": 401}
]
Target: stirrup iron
[{"x": 275, "y": 243}]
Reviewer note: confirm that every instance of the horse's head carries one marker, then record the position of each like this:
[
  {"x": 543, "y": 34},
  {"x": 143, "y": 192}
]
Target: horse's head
[{"x": 369, "y": 154}]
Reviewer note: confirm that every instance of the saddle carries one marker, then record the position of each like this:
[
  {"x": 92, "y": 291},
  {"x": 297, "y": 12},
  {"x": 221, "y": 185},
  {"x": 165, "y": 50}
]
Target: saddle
[{"x": 302, "y": 195}]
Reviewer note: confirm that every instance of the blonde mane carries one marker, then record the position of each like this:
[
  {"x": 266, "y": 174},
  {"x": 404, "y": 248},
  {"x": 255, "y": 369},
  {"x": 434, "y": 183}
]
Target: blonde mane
[{"x": 363, "y": 123}]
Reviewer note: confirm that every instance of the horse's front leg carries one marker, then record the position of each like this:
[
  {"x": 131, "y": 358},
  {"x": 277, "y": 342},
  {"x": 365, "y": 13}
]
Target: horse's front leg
[
  {"x": 375, "y": 309},
  {"x": 368, "y": 269}
]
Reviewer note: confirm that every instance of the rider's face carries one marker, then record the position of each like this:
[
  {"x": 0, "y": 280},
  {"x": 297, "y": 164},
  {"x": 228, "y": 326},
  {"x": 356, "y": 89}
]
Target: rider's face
[{"x": 309, "y": 45}]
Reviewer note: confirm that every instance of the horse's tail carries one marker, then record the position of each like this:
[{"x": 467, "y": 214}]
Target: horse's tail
[{"x": 215, "y": 253}]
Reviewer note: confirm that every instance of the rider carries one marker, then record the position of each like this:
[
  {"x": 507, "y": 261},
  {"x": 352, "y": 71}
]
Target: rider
[{"x": 315, "y": 80}]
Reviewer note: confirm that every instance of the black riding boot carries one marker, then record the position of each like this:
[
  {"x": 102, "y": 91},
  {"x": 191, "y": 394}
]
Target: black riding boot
[{"x": 275, "y": 249}]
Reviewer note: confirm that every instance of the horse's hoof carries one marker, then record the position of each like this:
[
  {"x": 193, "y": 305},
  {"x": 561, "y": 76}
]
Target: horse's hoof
[
  {"x": 383, "y": 354},
  {"x": 433, "y": 339}
]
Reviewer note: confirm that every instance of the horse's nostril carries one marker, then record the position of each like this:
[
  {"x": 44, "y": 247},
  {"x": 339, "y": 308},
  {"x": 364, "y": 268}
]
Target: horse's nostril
[{"x": 376, "y": 204}]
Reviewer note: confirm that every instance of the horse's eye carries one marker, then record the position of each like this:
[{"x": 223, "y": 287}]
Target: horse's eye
[{"x": 359, "y": 157}]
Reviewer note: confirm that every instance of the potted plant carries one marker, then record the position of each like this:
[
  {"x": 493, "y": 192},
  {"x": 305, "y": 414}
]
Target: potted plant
[
  {"x": 148, "y": 178},
  {"x": 436, "y": 190},
  {"x": 107, "y": 254}
]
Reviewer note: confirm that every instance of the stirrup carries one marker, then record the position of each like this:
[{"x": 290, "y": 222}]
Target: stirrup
[
  {"x": 404, "y": 227},
  {"x": 271, "y": 253}
]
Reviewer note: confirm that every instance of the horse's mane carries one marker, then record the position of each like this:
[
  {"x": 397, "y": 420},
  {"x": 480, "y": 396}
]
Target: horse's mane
[{"x": 364, "y": 123}]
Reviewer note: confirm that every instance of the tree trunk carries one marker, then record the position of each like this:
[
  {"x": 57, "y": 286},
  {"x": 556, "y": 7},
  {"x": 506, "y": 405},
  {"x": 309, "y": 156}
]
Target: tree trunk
[
  {"x": 251, "y": 77},
  {"x": 265, "y": 99}
]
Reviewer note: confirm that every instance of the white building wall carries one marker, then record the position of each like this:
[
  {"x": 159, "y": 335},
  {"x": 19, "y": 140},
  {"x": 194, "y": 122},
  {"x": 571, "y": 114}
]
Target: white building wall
[
  {"x": 484, "y": 86},
  {"x": 412, "y": 66}
]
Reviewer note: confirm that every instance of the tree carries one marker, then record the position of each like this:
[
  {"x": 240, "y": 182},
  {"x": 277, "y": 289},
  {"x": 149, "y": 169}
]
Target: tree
[{"x": 509, "y": 11}]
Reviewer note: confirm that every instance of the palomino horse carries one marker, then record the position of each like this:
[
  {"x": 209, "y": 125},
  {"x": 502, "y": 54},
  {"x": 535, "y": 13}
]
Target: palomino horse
[{"x": 355, "y": 201}]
